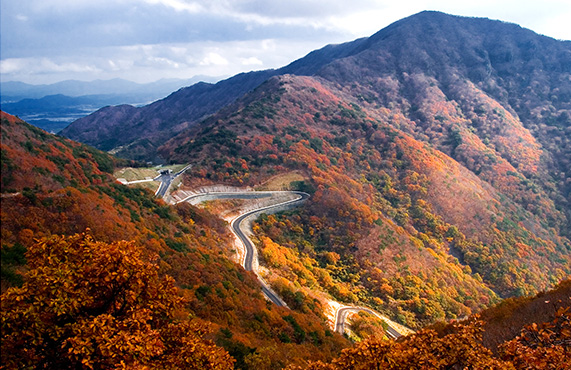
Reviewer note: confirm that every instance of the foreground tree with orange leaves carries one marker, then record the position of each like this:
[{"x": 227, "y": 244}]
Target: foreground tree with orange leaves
[
  {"x": 543, "y": 346},
  {"x": 459, "y": 346},
  {"x": 92, "y": 305},
  {"x": 459, "y": 349}
]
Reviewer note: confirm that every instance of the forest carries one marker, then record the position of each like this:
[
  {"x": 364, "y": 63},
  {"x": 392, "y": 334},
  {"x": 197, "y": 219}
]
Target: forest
[
  {"x": 392, "y": 222},
  {"x": 438, "y": 185},
  {"x": 170, "y": 295}
]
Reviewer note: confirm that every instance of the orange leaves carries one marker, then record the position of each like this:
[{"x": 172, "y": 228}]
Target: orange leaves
[
  {"x": 425, "y": 350},
  {"x": 96, "y": 305},
  {"x": 33, "y": 158},
  {"x": 545, "y": 346}
]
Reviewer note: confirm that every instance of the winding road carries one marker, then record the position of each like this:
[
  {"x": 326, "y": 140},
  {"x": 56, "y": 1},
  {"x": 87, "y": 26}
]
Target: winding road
[
  {"x": 343, "y": 312},
  {"x": 249, "y": 247},
  {"x": 250, "y": 252},
  {"x": 166, "y": 178}
]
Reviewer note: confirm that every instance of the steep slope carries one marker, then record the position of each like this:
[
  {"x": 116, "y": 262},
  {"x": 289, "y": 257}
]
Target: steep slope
[
  {"x": 34, "y": 159},
  {"x": 391, "y": 217},
  {"x": 144, "y": 129},
  {"x": 521, "y": 70},
  {"x": 53, "y": 186},
  {"x": 458, "y": 82}
]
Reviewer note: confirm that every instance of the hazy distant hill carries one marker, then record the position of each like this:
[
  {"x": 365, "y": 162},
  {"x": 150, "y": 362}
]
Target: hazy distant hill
[
  {"x": 15, "y": 90},
  {"x": 54, "y": 112},
  {"x": 54, "y": 106}
]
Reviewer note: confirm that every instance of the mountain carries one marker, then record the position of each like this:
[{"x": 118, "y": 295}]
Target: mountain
[
  {"x": 14, "y": 90},
  {"x": 53, "y": 188},
  {"x": 432, "y": 135},
  {"x": 392, "y": 219},
  {"x": 53, "y": 107},
  {"x": 61, "y": 203},
  {"x": 138, "y": 135},
  {"x": 430, "y": 42}
]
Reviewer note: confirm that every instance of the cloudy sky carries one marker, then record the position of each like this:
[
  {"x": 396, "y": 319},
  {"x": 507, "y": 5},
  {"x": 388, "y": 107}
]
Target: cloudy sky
[{"x": 45, "y": 41}]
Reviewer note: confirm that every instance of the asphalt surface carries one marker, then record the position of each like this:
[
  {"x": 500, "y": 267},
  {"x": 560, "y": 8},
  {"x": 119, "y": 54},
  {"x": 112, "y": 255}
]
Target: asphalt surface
[
  {"x": 236, "y": 226},
  {"x": 166, "y": 179},
  {"x": 341, "y": 317},
  {"x": 249, "y": 247},
  {"x": 249, "y": 253}
]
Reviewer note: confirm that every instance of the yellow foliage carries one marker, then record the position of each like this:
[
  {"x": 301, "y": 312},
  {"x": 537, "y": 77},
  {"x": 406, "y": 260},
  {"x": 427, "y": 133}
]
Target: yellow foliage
[{"x": 88, "y": 304}]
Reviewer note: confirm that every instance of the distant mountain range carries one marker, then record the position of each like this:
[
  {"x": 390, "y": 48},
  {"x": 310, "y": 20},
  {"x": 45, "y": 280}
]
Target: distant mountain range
[
  {"x": 435, "y": 44},
  {"x": 15, "y": 90},
  {"x": 54, "y": 106}
]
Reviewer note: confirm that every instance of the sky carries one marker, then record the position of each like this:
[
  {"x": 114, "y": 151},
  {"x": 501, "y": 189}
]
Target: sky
[{"x": 46, "y": 41}]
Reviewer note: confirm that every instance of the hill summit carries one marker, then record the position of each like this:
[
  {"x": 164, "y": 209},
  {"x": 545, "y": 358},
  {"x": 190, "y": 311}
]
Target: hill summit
[
  {"x": 432, "y": 43},
  {"x": 451, "y": 132}
]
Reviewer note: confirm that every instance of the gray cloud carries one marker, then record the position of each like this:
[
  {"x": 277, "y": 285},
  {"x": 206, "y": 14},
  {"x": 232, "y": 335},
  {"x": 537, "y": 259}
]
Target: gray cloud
[
  {"x": 116, "y": 23},
  {"x": 49, "y": 40}
]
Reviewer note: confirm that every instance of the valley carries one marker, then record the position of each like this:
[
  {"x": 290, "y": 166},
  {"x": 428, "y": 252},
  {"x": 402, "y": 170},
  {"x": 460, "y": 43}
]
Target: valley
[
  {"x": 399, "y": 201},
  {"x": 250, "y": 256}
]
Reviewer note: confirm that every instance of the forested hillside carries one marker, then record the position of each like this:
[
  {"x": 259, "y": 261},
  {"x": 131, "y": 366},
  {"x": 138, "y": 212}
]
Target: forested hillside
[
  {"x": 392, "y": 221},
  {"x": 191, "y": 245},
  {"x": 437, "y": 161}
]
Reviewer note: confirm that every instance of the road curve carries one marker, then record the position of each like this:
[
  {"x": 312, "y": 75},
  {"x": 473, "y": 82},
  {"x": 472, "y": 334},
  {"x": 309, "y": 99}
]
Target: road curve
[
  {"x": 249, "y": 251},
  {"x": 249, "y": 247},
  {"x": 343, "y": 312},
  {"x": 236, "y": 223},
  {"x": 236, "y": 226}
]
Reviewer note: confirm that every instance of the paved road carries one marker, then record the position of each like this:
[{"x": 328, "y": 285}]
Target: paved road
[
  {"x": 166, "y": 178},
  {"x": 237, "y": 226},
  {"x": 236, "y": 223},
  {"x": 249, "y": 248},
  {"x": 341, "y": 317}
]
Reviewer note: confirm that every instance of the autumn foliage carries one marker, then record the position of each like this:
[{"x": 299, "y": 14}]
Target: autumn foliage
[
  {"x": 459, "y": 346},
  {"x": 88, "y": 304},
  {"x": 424, "y": 350},
  {"x": 436, "y": 205},
  {"x": 193, "y": 246},
  {"x": 543, "y": 346}
]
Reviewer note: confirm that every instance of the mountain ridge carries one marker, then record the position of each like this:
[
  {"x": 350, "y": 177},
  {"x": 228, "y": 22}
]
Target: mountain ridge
[
  {"x": 254, "y": 132},
  {"x": 196, "y": 102}
]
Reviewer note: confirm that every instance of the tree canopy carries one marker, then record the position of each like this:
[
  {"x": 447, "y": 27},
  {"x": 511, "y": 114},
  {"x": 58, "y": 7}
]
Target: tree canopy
[{"x": 93, "y": 305}]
